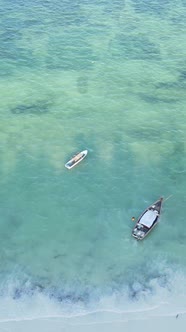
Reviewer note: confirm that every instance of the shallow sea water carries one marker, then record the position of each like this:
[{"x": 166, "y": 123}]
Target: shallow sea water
[{"x": 108, "y": 76}]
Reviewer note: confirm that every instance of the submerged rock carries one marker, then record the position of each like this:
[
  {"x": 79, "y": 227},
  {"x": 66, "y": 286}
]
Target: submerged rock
[{"x": 31, "y": 109}]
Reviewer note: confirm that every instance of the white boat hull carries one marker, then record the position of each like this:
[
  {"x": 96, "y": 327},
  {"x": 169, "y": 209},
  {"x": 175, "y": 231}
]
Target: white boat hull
[{"x": 76, "y": 159}]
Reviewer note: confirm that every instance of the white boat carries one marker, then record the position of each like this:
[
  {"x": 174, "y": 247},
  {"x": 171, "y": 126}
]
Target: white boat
[
  {"x": 76, "y": 159},
  {"x": 148, "y": 219}
]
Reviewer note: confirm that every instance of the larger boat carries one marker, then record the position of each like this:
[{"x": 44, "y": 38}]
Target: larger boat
[
  {"x": 148, "y": 220},
  {"x": 76, "y": 159}
]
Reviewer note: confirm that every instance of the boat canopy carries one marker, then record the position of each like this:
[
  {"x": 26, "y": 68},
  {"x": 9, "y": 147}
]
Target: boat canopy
[{"x": 148, "y": 218}]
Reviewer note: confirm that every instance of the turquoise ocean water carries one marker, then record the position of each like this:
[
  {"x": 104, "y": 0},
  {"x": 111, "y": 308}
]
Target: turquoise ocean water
[{"x": 110, "y": 77}]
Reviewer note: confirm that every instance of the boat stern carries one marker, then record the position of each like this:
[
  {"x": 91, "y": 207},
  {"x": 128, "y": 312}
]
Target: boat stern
[{"x": 138, "y": 233}]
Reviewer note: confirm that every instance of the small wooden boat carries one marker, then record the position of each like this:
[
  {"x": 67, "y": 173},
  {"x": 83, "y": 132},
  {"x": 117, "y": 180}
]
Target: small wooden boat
[
  {"x": 76, "y": 159},
  {"x": 148, "y": 219}
]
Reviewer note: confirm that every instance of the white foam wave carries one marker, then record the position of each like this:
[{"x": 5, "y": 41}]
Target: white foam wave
[{"x": 167, "y": 301}]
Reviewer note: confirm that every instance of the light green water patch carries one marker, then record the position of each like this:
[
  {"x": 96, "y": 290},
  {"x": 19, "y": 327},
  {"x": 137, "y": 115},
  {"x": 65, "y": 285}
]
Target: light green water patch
[
  {"x": 111, "y": 101},
  {"x": 51, "y": 205},
  {"x": 101, "y": 124}
]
